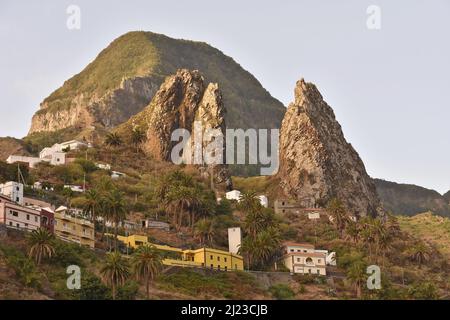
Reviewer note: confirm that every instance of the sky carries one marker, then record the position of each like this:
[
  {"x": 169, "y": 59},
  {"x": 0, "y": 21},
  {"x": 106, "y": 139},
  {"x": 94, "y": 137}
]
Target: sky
[{"x": 389, "y": 87}]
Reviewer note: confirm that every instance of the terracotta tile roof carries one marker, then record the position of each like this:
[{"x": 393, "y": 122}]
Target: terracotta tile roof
[{"x": 297, "y": 244}]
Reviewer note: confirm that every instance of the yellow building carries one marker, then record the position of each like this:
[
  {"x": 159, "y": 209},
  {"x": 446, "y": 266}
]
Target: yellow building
[
  {"x": 214, "y": 259},
  {"x": 203, "y": 257},
  {"x": 69, "y": 227},
  {"x": 133, "y": 241}
]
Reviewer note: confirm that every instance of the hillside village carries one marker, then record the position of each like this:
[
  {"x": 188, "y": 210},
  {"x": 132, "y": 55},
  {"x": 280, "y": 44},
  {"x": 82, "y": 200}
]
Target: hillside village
[
  {"x": 94, "y": 187},
  {"x": 287, "y": 248}
]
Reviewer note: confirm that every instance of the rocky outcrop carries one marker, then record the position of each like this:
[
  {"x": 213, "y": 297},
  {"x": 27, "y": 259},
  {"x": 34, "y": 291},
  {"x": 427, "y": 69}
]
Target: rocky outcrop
[
  {"x": 316, "y": 162},
  {"x": 114, "y": 107},
  {"x": 184, "y": 102}
]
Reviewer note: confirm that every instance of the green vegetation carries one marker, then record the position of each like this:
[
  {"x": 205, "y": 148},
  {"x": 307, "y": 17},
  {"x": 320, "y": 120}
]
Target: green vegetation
[
  {"x": 281, "y": 292},
  {"x": 429, "y": 226},
  {"x": 203, "y": 284},
  {"x": 130, "y": 55},
  {"x": 406, "y": 199}
]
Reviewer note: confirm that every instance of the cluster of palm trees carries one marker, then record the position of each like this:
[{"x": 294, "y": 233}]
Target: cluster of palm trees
[
  {"x": 145, "y": 265},
  {"x": 184, "y": 200},
  {"x": 262, "y": 241},
  {"x": 373, "y": 234},
  {"x": 137, "y": 138},
  {"x": 146, "y": 261},
  {"x": 108, "y": 202}
]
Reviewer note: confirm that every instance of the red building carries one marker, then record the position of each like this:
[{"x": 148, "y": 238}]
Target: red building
[{"x": 48, "y": 220}]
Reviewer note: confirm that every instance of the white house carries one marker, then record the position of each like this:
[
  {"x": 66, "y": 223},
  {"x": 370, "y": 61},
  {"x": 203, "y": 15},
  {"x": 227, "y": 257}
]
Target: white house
[
  {"x": 264, "y": 201},
  {"x": 103, "y": 166},
  {"x": 18, "y": 217},
  {"x": 31, "y": 161},
  {"x": 330, "y": 257},
  {"x": 74, "y": 188},
  {"x": 117, "y": 175},
  {"x": 233, "y": 195},
  {"x": 303, "y": 258},
  {"x": 13, "y": 190}
]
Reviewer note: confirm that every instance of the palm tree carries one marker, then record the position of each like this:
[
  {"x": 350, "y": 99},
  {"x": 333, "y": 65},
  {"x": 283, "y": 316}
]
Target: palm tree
[
  {"x": 337, "y": 211},
  {"x": 113, "y": 140},
  {"x": 204, "y": 231},
  {"x": 41, "y": 245},
  {"x": 115, "y": 272},
  {"x": 93, "y": 203},
  {"x": 419, "y": 253},
  {"x": 258, "y": 220},
  {"x": 137, "y": 137},
  {"x": 117, "y": 206},
  {"x": 357, "y": 275},
  {"x": 353, "y": 231},
  {"x": 147, "y": 263},
  {"x": 248, "y": 202}
]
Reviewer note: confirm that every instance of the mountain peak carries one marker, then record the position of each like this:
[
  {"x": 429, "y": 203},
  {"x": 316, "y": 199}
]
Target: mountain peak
[{"x": 125, "y": 76}]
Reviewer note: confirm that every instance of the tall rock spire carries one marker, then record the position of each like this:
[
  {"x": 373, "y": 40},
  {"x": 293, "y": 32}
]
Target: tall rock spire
[{"x": 316, "y": 162}]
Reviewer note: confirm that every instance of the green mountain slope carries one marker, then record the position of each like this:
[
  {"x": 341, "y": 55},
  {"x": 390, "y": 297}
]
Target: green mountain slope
[
  {"x": 407, "y": 199},
  {"x": 123, "y": 78}
]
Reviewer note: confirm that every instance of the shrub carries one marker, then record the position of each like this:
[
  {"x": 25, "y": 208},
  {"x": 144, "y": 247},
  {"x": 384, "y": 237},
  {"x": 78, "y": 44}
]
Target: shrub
[
  {"x": 281, "y": 291},
  {"x": 423, "y": 291},
  {"x": 128, "y": 291}
]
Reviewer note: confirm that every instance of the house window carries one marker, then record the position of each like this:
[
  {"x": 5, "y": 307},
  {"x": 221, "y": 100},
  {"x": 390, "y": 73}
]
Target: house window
[
  {"x": 318, "y": 260},
  {"x": 299, "y": 259},
  {"x": 212, "y": 266},
  {"x": 10, "y": 223},
  {"x": 35, "y": 219},
  {"x": 14, "y": 213},
  {"x": 226, "y": 268},
  {"x": 26, "y": 225},
  {"x": 210, "y": 257},
  {"x": 292, "y": 250},
  {"x": 218, "y": 267},
  {"x": 218, "y": 258},
  {"x": 28, "y": 217},
  {"x": 17, "y": 199},
  {"x": 318, "y": 271},
  {"x": 17, "y": 225},
  {"x": 225, "y": 259}
]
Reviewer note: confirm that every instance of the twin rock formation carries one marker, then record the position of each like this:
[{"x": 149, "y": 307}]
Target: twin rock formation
[
  {"x": 316, "y": 162},
  {"x": 182, "y": 101}
]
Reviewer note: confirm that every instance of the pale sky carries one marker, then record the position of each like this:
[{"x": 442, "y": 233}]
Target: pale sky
[{"x": 389, "y": 88}]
